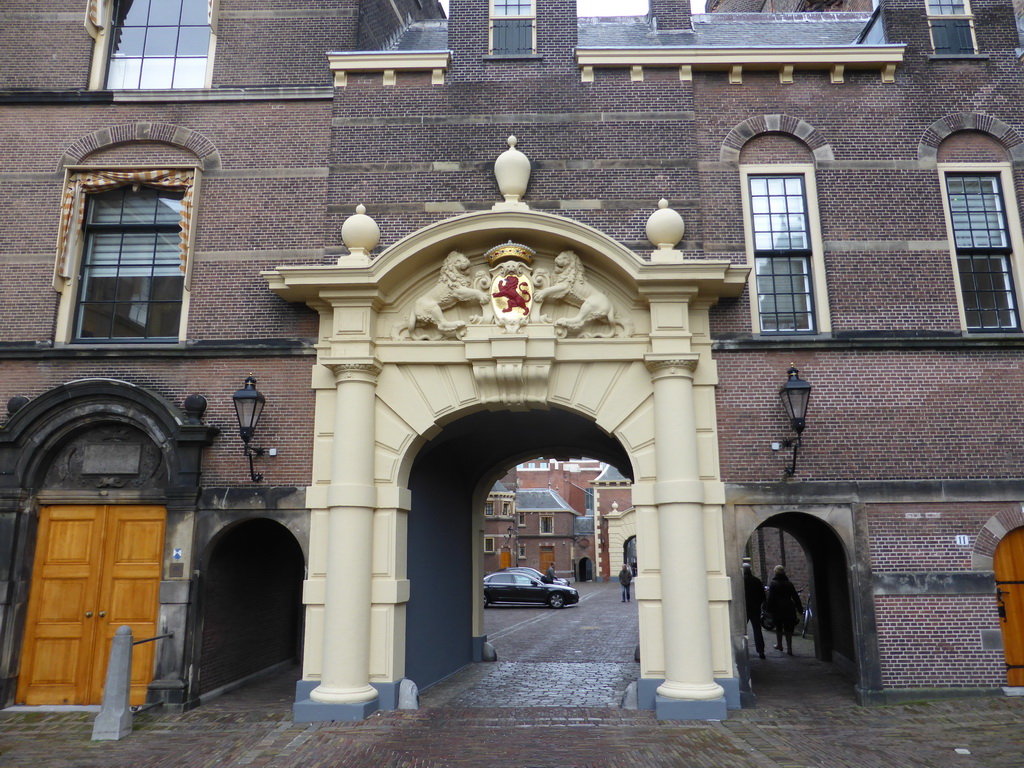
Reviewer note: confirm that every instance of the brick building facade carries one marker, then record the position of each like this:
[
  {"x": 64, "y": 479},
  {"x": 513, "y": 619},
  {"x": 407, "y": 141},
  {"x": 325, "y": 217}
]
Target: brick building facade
[{"x": 851, "y": 189}]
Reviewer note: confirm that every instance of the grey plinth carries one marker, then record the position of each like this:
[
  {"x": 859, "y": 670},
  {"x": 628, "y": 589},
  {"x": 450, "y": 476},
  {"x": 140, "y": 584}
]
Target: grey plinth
[{"x": 115, "y": 718}]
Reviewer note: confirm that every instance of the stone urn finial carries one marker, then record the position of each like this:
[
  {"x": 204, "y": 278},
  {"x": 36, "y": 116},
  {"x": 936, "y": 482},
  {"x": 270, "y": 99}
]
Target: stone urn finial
[
  {"x": 512, "y": 171},
  {"x": 360, "y": 234},
  {"x": 665, "y": 229}
]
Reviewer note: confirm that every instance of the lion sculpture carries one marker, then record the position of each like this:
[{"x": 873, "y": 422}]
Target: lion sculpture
[
  {"x": 454, "y": 285},
  {"x": 569, "y": 284}
]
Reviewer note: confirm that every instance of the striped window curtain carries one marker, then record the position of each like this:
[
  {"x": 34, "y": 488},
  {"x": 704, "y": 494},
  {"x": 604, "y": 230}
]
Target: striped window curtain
[{"x": 80, "y": 184}]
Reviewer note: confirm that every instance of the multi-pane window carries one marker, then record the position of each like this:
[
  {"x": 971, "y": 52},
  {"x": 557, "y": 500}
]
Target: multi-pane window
[
  {"x": 131, "y": 283},
  {"x": 489, "y": 508},
  {"x": 521, "y": 554},
  {"x": 782, "y": 254},
  {"x": 983, "y": 251},
  {"x": 489, "y": 545},
  {"x": 512, "y": 27},
  {"x": 547, "y": 524},
  {"x": 952, "y": 27},
  {"x": 159, "y": 44},
  {"x": 521, "y": 518},
  {"x": 506, "y": 508}
]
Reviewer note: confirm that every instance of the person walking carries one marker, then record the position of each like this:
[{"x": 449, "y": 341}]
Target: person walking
[
  {"x": 784, "y": 604},
  {"x": 753, "y": 591},
  {"x": 625, "y": 579}
]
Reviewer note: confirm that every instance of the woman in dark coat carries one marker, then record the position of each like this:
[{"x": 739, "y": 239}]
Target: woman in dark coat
[{"x": 784, "y": 604}]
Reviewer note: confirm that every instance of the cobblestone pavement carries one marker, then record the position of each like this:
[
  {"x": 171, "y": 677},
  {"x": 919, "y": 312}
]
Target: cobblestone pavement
[{"x": 805, "y": 717}]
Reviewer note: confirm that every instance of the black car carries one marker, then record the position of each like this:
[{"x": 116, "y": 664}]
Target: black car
[
  {"x": 508, "y": 587},
  {"x": 533, "y": 573}
]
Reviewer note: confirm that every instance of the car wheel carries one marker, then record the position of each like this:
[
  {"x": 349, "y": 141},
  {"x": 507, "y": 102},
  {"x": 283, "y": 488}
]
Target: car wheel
[{"x": 556, "y": 601}]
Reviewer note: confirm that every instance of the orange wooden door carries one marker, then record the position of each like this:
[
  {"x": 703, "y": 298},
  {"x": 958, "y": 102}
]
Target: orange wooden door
[
  {"x": 95, "y": 569},
  {"x": 504, "y": 559},
  {"x": 547, "y": 557},
  {"x": 1009, "y": 567},
  {"x": 129, "y": 592}
]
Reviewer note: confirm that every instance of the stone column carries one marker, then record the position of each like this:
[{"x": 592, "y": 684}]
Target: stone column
[
  {"x": 351, "y": 499},
  {"x": 689, "y": 690}
]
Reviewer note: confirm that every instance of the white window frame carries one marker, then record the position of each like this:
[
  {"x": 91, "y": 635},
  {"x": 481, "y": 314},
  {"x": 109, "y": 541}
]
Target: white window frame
[
  {"x": 495, "y": 15},
  {"x": 68, "y": 265},
  {"x": 967, "y": 16},
  {"x": 521, "y": 554},
  {"x": 550, "y": 521},
  {"x": 819, "y": 286},
  {"x": 489, "y": 545},
  {"x": 99, "y": 15},
  {"x": 1005, "y": 173},
  {"x": 489, "y": 509}
]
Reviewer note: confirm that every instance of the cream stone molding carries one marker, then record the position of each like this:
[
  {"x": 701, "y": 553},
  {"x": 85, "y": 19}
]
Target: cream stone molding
[
  {"x": 671, "y": 366},
  {"x": 426, "y": 320},
  {"x": 389, "y": 63},
  {"x": 597, "y": 316},
  {"x": 835, "y": 60},
  {"x": 350, "y": 371}
]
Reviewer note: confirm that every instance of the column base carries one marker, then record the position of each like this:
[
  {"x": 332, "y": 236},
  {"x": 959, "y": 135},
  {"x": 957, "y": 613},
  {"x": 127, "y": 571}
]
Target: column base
[
  {"x": 305, "y": 710},
  {"x": 647, "y": 698},
  {"x": 690, "y": 709}
]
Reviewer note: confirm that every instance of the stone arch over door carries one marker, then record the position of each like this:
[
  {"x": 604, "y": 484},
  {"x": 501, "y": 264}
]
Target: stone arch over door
[
  {"x": 110, "y": 443},
  {"x": 844, "y": 617},
  {"x": 389, "y": 397}
]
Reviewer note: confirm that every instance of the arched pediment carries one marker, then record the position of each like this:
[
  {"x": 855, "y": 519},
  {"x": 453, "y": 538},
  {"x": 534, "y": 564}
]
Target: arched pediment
[{"x": 475, "y": 233}]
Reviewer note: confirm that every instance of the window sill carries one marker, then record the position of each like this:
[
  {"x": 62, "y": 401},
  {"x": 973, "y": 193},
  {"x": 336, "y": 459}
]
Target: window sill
[
  {"x": 513, "y": 57},
  {"x": 958, "y": 57}
]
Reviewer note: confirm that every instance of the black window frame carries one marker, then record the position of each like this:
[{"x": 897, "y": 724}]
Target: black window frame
[
  {"x": 149, "y": 36},
  {"x": 951, "y": 24},
  {"x": 90, "y": 267},
  {"x": 974, "y": 262},
  {"x": 513, "y": 27},
  {"x": 768, "y": 263}
]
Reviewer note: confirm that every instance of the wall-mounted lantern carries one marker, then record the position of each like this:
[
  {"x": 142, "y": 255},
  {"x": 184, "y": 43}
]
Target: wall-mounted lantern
[
  {"x": 794, "y": 395},
  {"x": 249, "y": 404}
]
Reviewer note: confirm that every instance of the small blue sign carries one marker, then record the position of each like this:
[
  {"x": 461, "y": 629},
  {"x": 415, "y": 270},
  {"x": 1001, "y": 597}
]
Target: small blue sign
[{"x": 177, "y": 554}]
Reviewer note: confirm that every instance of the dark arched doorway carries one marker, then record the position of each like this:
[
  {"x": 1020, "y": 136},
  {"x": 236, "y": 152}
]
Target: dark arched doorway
[
  {"x": 585, "y": 569},
  {"x": 816, "y": 562},
  {"x": 445, "y": 476},
  {"x": 251, "y": 599}
]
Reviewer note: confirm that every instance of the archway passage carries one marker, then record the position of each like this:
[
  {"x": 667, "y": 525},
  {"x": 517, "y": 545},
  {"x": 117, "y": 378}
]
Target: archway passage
[
  {"x": 816, "y": 561},
  {"x": 449, "y": 473},
  {"x": 251, "y": 601},
  {"x": 585, "y": 569}
]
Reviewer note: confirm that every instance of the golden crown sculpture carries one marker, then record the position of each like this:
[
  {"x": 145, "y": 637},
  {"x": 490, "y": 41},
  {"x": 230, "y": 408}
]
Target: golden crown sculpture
[{"x": 510, "y": 250}]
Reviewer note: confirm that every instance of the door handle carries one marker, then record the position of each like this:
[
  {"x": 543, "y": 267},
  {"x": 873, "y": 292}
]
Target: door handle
[
  {"x": 88, "y": 614},
  {"x": 102, "y": 614}
]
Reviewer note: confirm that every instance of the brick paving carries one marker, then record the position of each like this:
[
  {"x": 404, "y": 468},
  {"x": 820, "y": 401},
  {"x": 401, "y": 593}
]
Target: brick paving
[{"x": 805, "y": 717}]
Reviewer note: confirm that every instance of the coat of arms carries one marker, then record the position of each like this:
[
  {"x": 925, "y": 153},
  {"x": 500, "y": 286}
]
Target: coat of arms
[{"x": 511, "y": 285}]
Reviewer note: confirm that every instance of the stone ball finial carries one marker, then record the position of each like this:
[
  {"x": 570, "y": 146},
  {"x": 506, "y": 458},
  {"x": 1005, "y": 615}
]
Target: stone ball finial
[
  {"x": 665, "y": 227},
  {"x": 512, "y": 172},
  {"x": 360, "y": 233}
]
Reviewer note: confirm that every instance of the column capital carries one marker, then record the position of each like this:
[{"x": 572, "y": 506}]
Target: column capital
[
  {"x": 349, "y": 370},
  {"x": 671, "y": 366}
]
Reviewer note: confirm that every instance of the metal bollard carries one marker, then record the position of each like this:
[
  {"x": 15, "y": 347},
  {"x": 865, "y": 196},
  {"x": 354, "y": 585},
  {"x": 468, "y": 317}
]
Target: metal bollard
[{"x": 115, "y": 717}]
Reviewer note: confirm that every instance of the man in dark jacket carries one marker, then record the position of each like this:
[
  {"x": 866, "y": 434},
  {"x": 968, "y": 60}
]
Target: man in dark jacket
[
  {"x": 753, "y": 591},
  {"x": 625, "y": 579}
]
